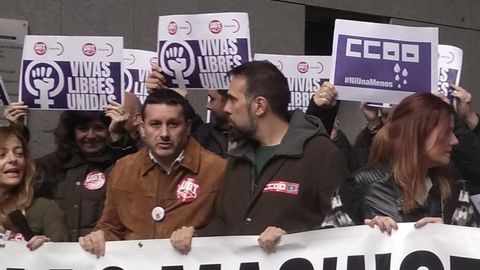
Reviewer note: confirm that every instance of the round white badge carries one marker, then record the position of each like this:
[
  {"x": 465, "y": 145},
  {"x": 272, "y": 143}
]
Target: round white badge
[
  {"x": 94, "y": 180},
  {"x": 158, "y": 213}
]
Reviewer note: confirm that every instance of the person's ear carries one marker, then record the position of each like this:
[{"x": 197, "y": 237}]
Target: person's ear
[
  {"x": 137, "y": 119},
  {"x": 142, "y": 129},
  {"x": 260, "y": 105}
]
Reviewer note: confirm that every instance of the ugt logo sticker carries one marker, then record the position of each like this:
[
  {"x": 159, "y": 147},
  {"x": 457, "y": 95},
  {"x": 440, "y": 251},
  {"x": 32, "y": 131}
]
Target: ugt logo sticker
[{"x": 188, "y": 190}]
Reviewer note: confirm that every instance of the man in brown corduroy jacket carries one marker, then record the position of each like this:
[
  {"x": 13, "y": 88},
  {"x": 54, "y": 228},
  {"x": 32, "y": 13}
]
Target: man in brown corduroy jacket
[{"x": 170, "y": 183}]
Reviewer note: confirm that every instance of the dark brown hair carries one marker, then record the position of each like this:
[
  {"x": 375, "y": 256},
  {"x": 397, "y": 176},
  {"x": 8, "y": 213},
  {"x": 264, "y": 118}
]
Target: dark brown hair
[{"x": 65, "y": 131}]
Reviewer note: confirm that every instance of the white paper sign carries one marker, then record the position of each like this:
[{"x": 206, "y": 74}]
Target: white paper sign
[
  {"x": 138, "y": 64},
  {"x": 383, "y": 63},
  {"x": 449, "y": 67},
  {"x": 71, "y": 73},
  {"x": 433, "y": 247},
  {"x": 304, "y": 73},
  {"x": 197, "y": 51}
]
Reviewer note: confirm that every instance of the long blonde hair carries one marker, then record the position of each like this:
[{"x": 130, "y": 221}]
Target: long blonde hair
[
  {"x": 21, "y": 196},
  {"x": 401, "y": 145}
]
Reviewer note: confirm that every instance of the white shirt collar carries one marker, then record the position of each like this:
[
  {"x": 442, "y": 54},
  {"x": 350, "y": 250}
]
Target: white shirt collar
[
  {"x": 422, "y": 198},
  {"x": 168, "y": 168}
]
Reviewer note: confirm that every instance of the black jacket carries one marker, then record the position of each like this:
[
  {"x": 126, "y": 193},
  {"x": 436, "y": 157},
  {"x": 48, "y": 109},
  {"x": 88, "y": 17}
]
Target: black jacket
[
  {"x": 211, "y": 139},
  {"x": 371, "y": 192},
  {"x": 466, "y": 155}
]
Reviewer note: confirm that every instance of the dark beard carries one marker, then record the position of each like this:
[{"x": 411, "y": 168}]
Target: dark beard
[{"x": 239, "y": 134}]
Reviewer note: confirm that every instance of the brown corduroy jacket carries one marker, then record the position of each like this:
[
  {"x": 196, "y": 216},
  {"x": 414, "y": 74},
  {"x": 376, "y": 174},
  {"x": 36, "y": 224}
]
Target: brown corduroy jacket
[{"x": 137, "y": 185}]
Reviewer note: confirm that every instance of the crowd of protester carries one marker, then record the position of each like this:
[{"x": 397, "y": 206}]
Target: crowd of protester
[{"x": 156, "y": 170}]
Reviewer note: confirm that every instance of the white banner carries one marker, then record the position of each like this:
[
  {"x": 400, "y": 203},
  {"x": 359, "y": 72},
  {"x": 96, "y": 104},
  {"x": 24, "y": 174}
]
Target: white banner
[
  {"x": 433, "y": 247},
  {"x": 384, "y": 63},
  {"x": 71, "y": 73},
  {"x": 305, "y": 74},
  {"x": 450, "y": 60},
  {"x": 137, "y": 65},
  {"x": 197, "y": 51}
]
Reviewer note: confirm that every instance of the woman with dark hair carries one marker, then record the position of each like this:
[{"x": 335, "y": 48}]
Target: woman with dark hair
[
  {"x": 408, "y": 178},
  {"x": 43, "y": 216},
  {"x": 74, "y": 175}
]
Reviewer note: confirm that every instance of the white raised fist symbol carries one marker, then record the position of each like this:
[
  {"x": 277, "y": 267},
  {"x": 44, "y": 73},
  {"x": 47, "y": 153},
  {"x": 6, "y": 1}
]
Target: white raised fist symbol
[
  {"x": 43, "y": 81},
  {"x": 41, "y": 78},
  {"x": 176, "y": 61}
]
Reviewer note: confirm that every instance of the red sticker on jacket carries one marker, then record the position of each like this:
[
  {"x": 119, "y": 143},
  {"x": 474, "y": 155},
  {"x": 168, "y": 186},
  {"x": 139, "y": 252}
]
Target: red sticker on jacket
[
  {"x": 188, "y": 190},
  {"x": 282, "y": 187},
  {"x": 94, "y": 180}
]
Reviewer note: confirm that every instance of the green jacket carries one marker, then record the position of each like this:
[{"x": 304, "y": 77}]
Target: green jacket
[{"x": 45, "y": 218}]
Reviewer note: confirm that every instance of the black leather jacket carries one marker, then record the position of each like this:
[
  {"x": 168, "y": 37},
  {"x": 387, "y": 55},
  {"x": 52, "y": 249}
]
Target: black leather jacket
[{"x": 371, "y": 191}]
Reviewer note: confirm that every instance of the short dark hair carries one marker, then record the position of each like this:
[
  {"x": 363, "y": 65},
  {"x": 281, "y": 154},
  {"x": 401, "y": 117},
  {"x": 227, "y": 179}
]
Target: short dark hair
[
  {"x": 169, "y": 97},
  {"x": 266, "y": 80}
]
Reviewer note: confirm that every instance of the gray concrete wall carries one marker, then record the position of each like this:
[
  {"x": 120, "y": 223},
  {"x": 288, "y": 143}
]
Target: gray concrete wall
[
  {"x": 276, "y": 27},
  {"x": 136, "y": 21}
]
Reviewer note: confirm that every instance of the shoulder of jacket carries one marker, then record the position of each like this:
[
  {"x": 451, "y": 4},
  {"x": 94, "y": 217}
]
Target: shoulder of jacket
[
  {"x": 320, "y": 141},
  {"x": 211, "y": 158},
  {"x": 369, "y": 175},
  {"x": 130, "y": 160},
  {"x": 43, "y": 205}
]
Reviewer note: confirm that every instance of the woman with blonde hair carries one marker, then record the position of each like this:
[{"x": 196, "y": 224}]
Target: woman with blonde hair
[
  {"x": 408, "y": 177},
  {"x": 44, "y": 219}
]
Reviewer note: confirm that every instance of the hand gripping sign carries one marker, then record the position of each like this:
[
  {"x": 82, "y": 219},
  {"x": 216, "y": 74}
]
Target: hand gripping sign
[
  {"x": 381, "y": 62},
  {"x": 305, "y": 74},
  {"x": 197, "y": 51},
  {"x": 71, "y": 73}
]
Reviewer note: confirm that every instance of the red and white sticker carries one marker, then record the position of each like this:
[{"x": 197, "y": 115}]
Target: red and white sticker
[
  {"x": 94, "y": 180},
  {"x": 18, "y": 237},
  {"x": 282, "y": 187},
  {"x": 188, "y": 190}
]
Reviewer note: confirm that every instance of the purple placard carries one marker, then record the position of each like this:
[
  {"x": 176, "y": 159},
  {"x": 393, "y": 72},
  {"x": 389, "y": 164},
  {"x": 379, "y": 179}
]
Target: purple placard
[
  {"x": 71, "y": 73},
  {"x": 305, "y": 74},
  {"x": 202, "y": 63},
  {"x": 383, "y": 64},
  {"x": 447, "y": 78},
  {"x": 137, "y": 66},
  {"x": 70, "y": 85},
  {"x": 135, "y": 81}
]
